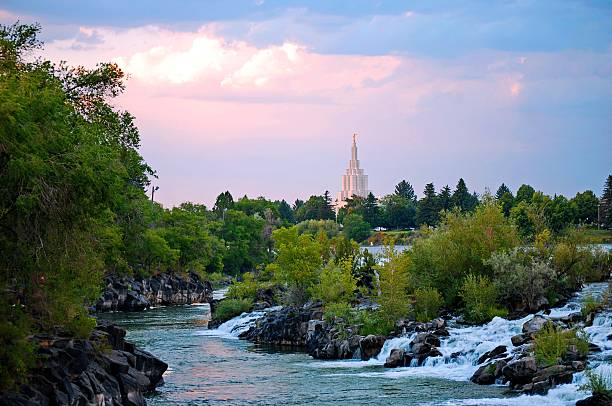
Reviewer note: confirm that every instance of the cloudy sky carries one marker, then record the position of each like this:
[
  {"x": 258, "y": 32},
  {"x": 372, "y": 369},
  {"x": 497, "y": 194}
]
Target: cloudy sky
[{"x": 261, "y": 97}]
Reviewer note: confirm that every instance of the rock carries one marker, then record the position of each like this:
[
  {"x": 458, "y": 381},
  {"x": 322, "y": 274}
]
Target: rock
[
  {"x": 484, "y": 375},
  {"x": 521, "y": 339},
  {"x": 599, "y": 399},
  {"x": 102, "y": 370},
  {"x": 137, "y": 294},
  {"x": 520, "y": 371},
  {"x": 497, "y": 352},
  {"x": 370, "y": 346},
  {"x": 535, "y": 324},
  {"x": 578, "y": 366},
  {"x": 397, "y": 358},
  {"x": 426, "y": 338}
]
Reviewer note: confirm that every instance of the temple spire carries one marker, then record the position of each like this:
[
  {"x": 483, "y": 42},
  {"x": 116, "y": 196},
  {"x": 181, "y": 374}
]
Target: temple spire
[
  {"x": 354, "y": 148},
  {"x": 354, "y": 180}
]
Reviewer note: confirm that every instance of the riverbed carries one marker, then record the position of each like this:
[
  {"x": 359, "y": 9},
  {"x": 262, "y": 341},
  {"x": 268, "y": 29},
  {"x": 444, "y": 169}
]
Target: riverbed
[{"x": 214, "y": 367}]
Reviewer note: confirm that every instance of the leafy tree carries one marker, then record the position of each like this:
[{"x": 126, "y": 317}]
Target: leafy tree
[
  {"x": 559, "y": 213},
  {"x": 428, "y": 208},
  {"x": 336, "y": 283},
  {"x": 404, "y": 189},
  {"x": 315, "y": 208},
  {"x": 606, "y": 204},
  {"x": 363, "y": 269},
  {"x": 585, "y": 206},
  {"x": 393, "y": 285},
  {"x": 243, "y": 236},
  {"x": 444, "y": 198},
  {"x": 371, "y": 212},
  {"x": 285, "y": 212},
  {"x": 398, "y": 212},
  {"x": 224, "y": 202},
  {"x": 314, "y": 227},
  {"x": 356, "y": 228},
  {"x": 480, "y": 299},
  {"x": 524, "y": 193},
  {"x": 520, "y": 215}
]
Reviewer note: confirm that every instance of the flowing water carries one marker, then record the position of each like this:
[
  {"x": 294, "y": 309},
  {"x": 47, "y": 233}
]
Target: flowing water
[{"x": 214, "y": 367}]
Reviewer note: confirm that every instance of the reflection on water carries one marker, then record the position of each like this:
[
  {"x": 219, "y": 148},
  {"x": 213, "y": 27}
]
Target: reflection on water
[{"x": 207, "y": 369}]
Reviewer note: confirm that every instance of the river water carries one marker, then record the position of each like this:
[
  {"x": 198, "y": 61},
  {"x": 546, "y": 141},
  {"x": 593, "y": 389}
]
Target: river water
[{"x": 214, "y": 367}]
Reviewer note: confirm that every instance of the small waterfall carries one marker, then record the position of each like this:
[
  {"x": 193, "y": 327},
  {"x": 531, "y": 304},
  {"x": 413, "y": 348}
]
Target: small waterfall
[{"x": 238, "y": 325}]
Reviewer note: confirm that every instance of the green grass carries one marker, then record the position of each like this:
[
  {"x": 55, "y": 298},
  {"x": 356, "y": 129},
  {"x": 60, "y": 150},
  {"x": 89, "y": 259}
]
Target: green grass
[
  {"x": 551, "y": 344},
  {"x": 595, "y": 236},
  {"x": 597, "y": 383}
]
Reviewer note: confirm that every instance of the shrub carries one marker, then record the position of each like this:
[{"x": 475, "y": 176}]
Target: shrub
[
  {"x": 393, "y": 285},
  {"x": 356, "y": 228},
  {"x": 230, "y": 308},
  {"x": 217, "y": 279},
  {"x": 427, "y": 303},
  {"x": 551, "y": 344},
  {"x": 374, "y": 322},
  {"x": 342, "y": 311},
  {"x": 246, "y": 289},
  {"x": 336, "y": 283},
  {"x": 598, "y": 383},
  {"x": 479, "y": 297},
  {"x": 16, "y": 352},
  {"x": 590, "y": 305}
]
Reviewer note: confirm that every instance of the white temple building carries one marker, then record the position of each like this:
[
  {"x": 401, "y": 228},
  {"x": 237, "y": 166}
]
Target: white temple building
[{"x": 354, "y": 181}]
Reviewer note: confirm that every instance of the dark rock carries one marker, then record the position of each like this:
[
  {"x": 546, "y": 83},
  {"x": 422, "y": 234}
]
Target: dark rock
[
  {"x": 599, "y": 399},
  {"x": 520, "y": 371},
  {"x": 102, "y": 370},
  {"x": 497, "y": 352},
  {"x": 521, "y": 339},
  {"x": 370, "y": 346},
  {"x": 397, "y": 358},
  {"x": 484, "y": 375},
  {"x": 426, "y": 338},
  {"x": 535, "y": 324},
  {"x": 137, "y": 294}
]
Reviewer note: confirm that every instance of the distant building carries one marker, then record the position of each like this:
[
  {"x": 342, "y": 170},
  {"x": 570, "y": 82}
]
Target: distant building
[{"x": 354, "y": 181}]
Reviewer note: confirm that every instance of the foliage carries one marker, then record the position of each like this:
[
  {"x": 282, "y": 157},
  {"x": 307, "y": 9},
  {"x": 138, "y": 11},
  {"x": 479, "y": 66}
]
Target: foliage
[
  {"x": 313, "y": 227},
  {"x": 356, "y": 228},
  {"x": 597, "y": 383},
  {"x": 363, "y": 269},
  {"x": 404, "y": 189},
  {"x": 398, "y": 211},
  {"x": 316, "y": 208},
  {"x": 606, "y": 204},
  {"x": 427, "y": 303},
  {"x": 227, "y": 309},
  {"x": 243, "y": 236},
  {"x": 245, "y": 289},
  {"x": 590, "y": 304},
  {"x": 393, "y": 284},
  {"x": 462, "y": 198},
  {"x": 16, "y": 352},
  {"x": 551, "y": 344},
  {"x": 479, "y": 297},
  {"x": 336, "y": 283},
  {"x": 428, "y": 208},
  {"x": 374, "y": 322},
  {"x": 517, "y": 275}
]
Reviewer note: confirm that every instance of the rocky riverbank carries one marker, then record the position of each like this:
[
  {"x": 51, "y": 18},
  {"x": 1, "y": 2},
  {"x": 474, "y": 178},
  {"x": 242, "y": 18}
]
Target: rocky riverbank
[
  {"x": 102, "y": 370},
  {"x": 165, "y": 289}
]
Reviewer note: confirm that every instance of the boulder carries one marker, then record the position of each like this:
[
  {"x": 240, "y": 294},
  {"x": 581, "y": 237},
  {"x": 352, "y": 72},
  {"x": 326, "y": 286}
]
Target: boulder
[
  {"x": 397, "y": 358},
  {"x": 599, "y": 399},
  {"x": 535, "y": 324},
  {"x": 497, "y": 352},
  {"x": 370, "y": 346},
  {"x": 520, "y": 371},
  {"x": 521, "y": 339},
  {"x": 484, "y": 375}
]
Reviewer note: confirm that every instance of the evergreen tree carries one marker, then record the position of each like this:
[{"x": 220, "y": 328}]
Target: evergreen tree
[
  {"x": 462, "y": 198},
  {"x": 398, "y": 212},
  {"x": 503, "y": 189},
  {"x": 286, "y": 212},
  {"x": 445, "y": 199},
  {"x": 297, "y": 204},
  {"x": 404, "y": 189},
  {"x": 224, "y": 201},
  {"x": 606, "y": 204},
  {"x": 428, "y": 208},
  {"x": 371, "y": 212}
]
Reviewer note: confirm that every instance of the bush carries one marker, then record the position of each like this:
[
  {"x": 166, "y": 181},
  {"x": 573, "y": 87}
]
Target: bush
[
  {"x": 598, "y": 383},
  {"x": 246, "y": 289},
  {"x": 427, "y": 303},
  {"x": 393, "y": 285},
  {"x": 336, "y": 283},
  {"x": 230, "y": 308},
  {"x": 551, "y": 344},
  {"x": 16, "y": 352},
  {"x": 479, "y": 297},
  {"x": 356, "y": 228},
  {"x": 374, "y": 322},
  {"x": 590, "y": 305},
  {"x": 217, "y": 279}
]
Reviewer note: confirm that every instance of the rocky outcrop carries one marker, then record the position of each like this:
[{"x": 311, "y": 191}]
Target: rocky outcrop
[
  {"x": 423, "y": 346},
  {"x": 104, "y": 370},
  {"x": 287, "y": 326},
  {"x": 370, "y": 346},
  {"x": 137, "y": 294},
  {"x": 598, "y": 399}
]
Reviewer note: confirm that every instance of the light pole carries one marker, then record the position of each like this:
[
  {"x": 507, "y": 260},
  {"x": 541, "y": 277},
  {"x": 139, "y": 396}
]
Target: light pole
[{"x": 153, "y": 189}]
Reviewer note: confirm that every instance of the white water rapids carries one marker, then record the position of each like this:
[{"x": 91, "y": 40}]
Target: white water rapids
[{"x": 461, "y": 350}]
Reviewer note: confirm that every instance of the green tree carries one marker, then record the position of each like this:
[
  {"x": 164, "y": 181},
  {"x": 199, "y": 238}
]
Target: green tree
[
  {"x": 315, "y": 208},
  {"x": 224, "y": 202},
  {"x": 524, "y": 194},
  {"x": 356, "y": 228},
  {"x": 371, "y": 211},
  {"x": 404, "y": 189},
  {"x": 585, "y": 206},
  {"x": 398, "y": 212},
  {"x": 559, "y": 213},
  {"x": 606, "y": 204},
  {"x": 462, "y": 198},
  {"x": 444, "y": 198},
  {"x": 285, "y": 212},
  {"x": 243, "y": 237},
  {"x": 501, "y": 191},
  {"x": 428, "y": 208},
  {"x": 393, "y": 285}
]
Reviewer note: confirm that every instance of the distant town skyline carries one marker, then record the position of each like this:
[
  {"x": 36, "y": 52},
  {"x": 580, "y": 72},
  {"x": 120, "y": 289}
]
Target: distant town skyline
[{"x": 261, "y": 97}]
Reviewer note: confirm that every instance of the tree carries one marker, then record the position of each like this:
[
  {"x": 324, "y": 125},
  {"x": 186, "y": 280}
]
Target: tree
[
  {"x": 428, "y": 208},
  {"x": 524, "y": 193},
  {"x": 243, "y": 236},
  {"x": 462, "y": 198},
  {"x": 606, "y": 204},
  {"x": 559, "y": 213},
  {"x": 315, "y": 208},
  {"x": 398, "y": 212},
  {"x": 585, "y": 206},
  {"x": 393, "y": 285},
  {"x": 501, "y": 191},
  {"x": 224, "y": 202},
  {"x": 404, "y": 189},
  {"x": 371, "y": 212},
  {"x": 356, "y": 228},
  {"x": 285, "y": 211},
  {"x": 444, "y": 198}
]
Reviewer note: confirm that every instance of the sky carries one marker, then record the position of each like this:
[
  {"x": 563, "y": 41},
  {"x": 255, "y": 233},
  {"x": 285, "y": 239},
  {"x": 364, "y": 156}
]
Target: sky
[{"x": 261, "y": 97}]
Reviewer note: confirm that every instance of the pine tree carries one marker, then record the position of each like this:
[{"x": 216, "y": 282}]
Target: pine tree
[
  {"x": 428, "y": 208},
  {"x": 371, "y": 211},
  {"x": 445, "y": 199},
  {"x": 405, "y": 190},
  {"x": 224, "y": 201},
  {"x": 606, "y": 204},
  {"x": 461, "y": 196},
  {"x": 503, "y": 189}
]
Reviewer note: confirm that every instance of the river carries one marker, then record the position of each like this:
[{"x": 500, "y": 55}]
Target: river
[{"x": 214, "y": 367}]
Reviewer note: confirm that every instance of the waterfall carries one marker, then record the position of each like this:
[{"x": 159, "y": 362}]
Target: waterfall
[{"x": 238, "y": 325}]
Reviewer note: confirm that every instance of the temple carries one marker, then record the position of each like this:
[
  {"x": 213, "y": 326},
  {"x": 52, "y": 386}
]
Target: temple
[{"x": 354, "y": 181}]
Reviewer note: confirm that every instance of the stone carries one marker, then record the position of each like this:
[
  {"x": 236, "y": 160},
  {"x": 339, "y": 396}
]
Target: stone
[
  {"x": 397, "y": 358},
  {"x": 497, "y": 352},
  {"x": 521, "y": 339},
  {"x": 370, "y": 346},
  {"x": 520, "y": 371},
  {"x": 426, "y": 338},
  {"x": 535, "y": 324},
  {"x": 599, "y": 399},
  {"x": 484, "y": 375}
]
